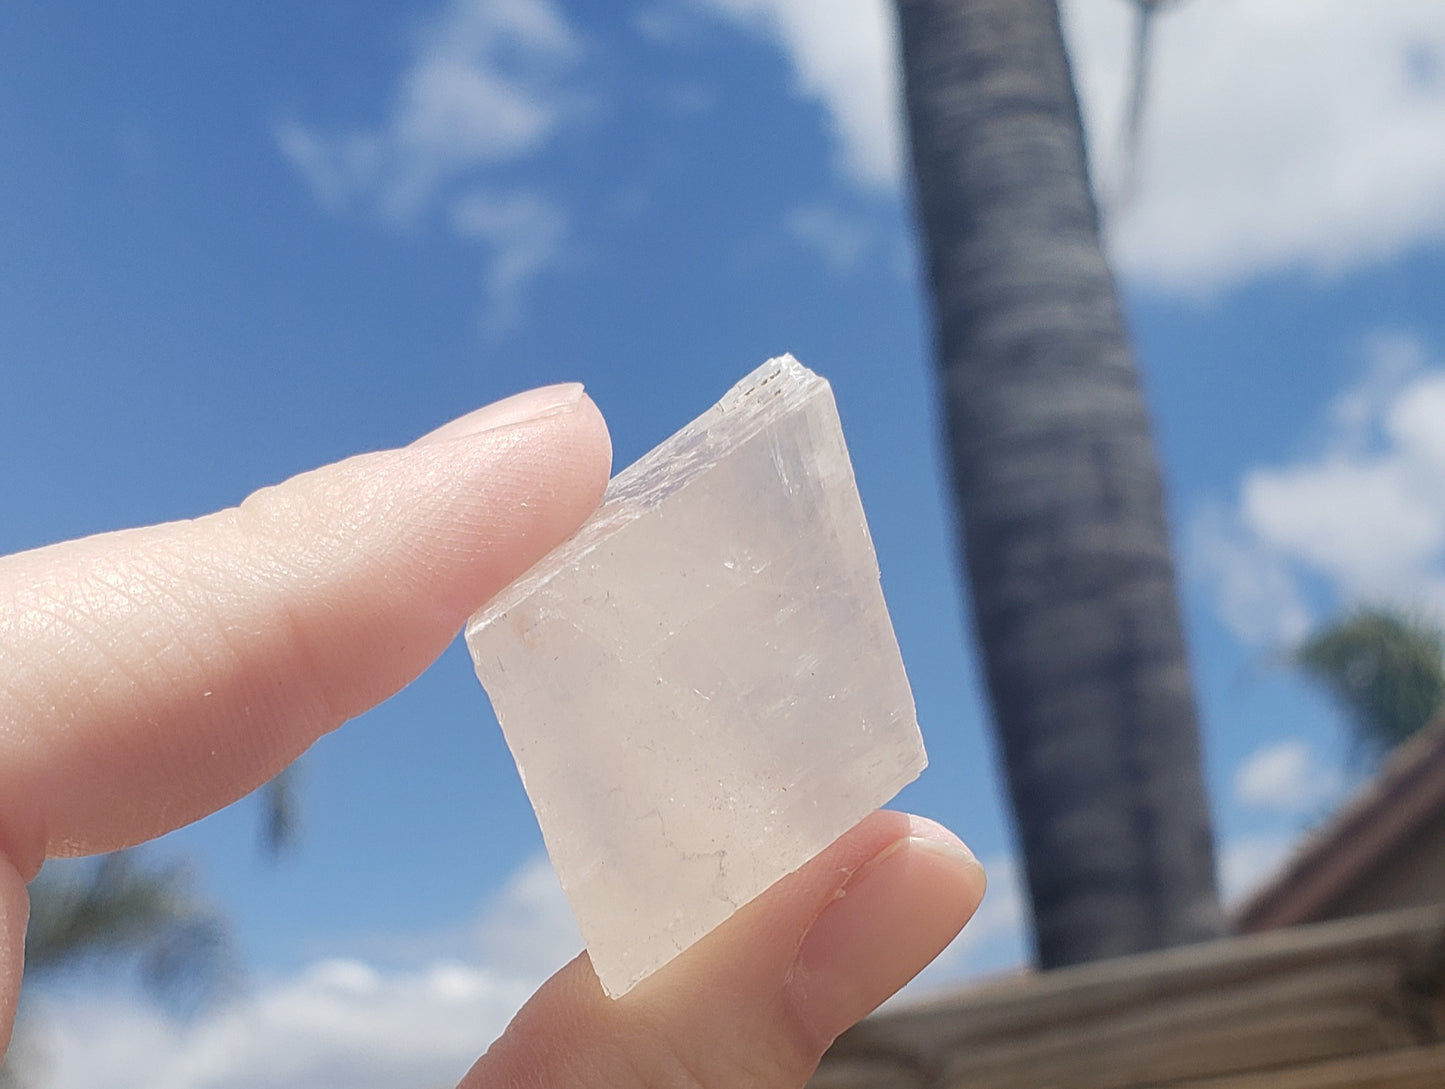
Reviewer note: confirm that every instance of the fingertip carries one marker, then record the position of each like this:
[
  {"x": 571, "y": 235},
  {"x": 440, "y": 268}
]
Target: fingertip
[
  {"x": 557, "y": 454},
  {"x": 891, "y": 918},
  {"x": 560, "y": 462},
  {"x": 524, "y": 407},
  {"x": 491, "y": 530},
  {"x": 929, "y": 835},
  {"x": 594, "y": 443}
]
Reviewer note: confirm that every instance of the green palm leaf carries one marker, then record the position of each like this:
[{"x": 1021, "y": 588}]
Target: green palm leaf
[
  {"x": 1385, "y": 667},
  {"x": 118, "y": 910}
]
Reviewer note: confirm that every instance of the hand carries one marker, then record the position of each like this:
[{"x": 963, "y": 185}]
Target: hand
[{"x": 152, "y": 676}]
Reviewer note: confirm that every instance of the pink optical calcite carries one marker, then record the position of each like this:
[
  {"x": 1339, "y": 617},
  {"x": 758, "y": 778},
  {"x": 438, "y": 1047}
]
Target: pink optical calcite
[{"x": 702, "y": 688}]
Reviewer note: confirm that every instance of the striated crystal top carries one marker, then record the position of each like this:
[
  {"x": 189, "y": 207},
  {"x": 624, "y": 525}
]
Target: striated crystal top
[{"x": 754, "y": 403}]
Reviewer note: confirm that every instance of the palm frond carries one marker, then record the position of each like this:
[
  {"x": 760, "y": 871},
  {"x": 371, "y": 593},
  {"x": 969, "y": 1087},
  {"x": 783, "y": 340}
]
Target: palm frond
[
  {"x": 280, "y": 819},
  {"x": 1385, "y": 667},
  {"x": 116, "y": 909}
]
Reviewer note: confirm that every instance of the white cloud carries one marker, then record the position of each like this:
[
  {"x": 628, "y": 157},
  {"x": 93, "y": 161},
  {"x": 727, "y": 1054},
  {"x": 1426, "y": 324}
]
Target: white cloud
[
  {"x": 1392, "y": 361},
  {"x": 484, "y": 89},
  {"x": 528, "y": 930},
  {"x": 1286, "y": 777},
  {"x": 842, "y": 53},
  {"x": 1360, "y": 520},
  {"x": 1364, "y": 515},
  {"x": 839, "y": 239},
  {"x": 340, "y": 1021},
  {"x": 1256, "y": 592},
  {"x": 1279, "y": 133},
  {"x": 523, "y": 232},
  {"x": 344, "y": 1021},
  {"x": 1247, "y": 862}
]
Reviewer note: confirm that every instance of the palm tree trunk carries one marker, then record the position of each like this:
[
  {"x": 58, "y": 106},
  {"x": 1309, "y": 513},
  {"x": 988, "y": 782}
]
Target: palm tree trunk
[{"x": 1062, "y": 509}]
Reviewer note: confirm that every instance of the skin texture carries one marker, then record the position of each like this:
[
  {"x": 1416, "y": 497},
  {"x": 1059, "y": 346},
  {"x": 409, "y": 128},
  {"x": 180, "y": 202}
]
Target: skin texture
[{"x": 152, "y": 676}]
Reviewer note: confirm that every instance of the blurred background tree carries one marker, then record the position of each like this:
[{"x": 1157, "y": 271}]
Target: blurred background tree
[
  {"x": 1066, "y": 550},
  {"x": 280, "y": 813},
  {"x": 1386, "y": 669},
  {"x": 120, "y": 913}
]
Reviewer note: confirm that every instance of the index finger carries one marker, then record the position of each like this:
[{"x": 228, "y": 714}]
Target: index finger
[{"x": 152, "y": 676}]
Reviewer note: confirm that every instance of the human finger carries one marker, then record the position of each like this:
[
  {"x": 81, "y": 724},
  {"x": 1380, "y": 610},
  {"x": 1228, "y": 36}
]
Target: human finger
[
  {"x": 152, "y": 676},
  {"x": 757, "y": 1001}
]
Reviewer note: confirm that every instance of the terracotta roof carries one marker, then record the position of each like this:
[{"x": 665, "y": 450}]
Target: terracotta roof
[{"x": 1408, "y": 791}]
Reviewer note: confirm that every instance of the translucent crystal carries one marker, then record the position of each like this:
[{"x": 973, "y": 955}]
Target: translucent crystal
[{"x": 702, "y": 688}]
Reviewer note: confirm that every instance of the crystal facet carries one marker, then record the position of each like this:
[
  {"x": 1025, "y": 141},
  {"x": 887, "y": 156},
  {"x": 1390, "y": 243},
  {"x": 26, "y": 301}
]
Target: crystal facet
[{"x": 701, "y": 687}]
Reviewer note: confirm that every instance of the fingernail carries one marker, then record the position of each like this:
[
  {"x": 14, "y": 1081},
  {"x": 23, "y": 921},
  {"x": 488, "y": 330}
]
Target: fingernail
[
  {"x": 888, "y": 920},
  {"x": 519, "y": 408}
]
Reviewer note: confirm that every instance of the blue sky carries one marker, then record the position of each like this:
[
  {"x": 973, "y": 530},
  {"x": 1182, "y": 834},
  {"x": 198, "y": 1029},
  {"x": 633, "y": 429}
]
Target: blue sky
[{"x": 238, "y": 241}]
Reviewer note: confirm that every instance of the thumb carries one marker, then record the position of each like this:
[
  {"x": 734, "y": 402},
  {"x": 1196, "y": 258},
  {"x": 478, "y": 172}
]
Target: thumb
[{"x": 758, "y": 1000}]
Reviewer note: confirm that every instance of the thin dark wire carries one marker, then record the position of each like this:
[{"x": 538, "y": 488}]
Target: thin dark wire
[
  {"x": 1138, "y": 92},
  {"x": 1126, "y": 183}
]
